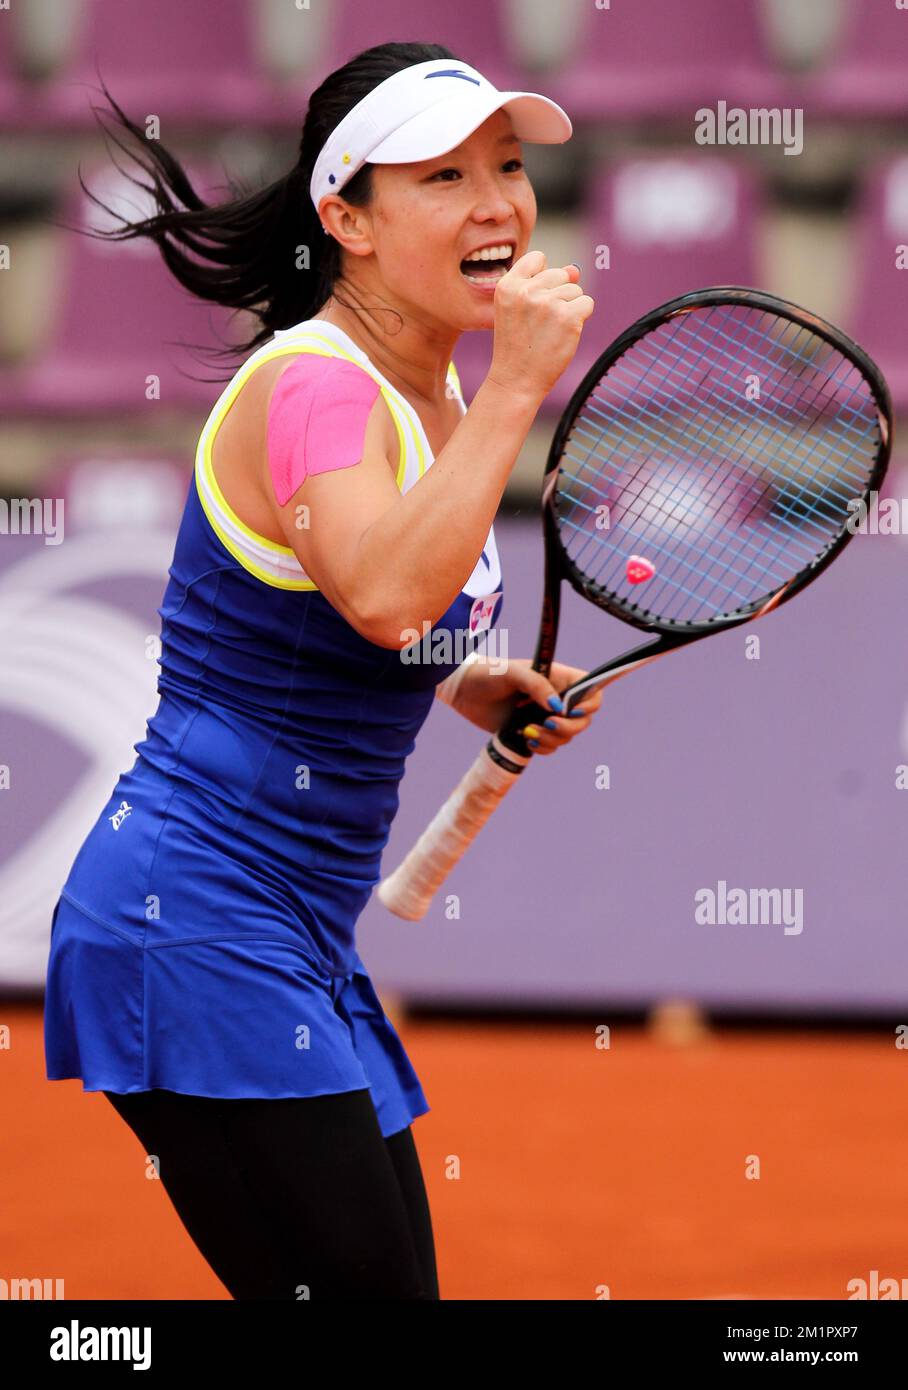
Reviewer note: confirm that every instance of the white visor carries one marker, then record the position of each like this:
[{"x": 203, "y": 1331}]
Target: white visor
[{"x": 423, "y": 111}]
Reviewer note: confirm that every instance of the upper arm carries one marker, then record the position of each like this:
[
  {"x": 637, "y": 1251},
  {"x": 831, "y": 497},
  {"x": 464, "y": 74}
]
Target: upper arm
[{"x": 330, "y": 463}]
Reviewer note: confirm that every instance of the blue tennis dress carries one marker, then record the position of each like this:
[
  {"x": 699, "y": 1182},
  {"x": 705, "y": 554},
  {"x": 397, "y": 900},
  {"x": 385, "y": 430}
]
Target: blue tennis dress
[{"x": 204, "y": 940}]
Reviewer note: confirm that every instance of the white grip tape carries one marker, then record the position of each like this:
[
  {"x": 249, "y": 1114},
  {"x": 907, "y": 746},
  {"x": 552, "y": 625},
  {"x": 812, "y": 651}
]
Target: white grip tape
[{"x": 409, "y": 890}]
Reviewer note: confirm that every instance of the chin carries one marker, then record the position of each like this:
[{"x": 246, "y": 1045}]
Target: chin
[
  {"x": 462, "y": 311},
  {"x": 478, "y": 316}
]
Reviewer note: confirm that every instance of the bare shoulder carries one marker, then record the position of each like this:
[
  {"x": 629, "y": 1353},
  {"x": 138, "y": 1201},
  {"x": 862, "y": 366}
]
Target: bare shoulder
[
  {"x": 240, "y": 449},
  {"x": 269, "y": 374}
]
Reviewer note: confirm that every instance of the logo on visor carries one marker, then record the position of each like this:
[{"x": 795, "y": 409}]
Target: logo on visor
[{"x": 452, "y": 72}]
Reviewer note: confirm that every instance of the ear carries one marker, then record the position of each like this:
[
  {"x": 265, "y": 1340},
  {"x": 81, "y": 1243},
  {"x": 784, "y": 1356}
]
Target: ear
[{"x": 350, "y": 226}]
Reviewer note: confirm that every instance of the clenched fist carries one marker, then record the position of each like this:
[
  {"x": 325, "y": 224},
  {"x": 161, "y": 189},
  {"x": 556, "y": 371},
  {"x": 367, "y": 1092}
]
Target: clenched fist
[{"x": 539, "y": 316}]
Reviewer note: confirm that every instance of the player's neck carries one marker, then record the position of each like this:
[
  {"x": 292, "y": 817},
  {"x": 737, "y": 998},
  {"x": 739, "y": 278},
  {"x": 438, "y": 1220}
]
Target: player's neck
[{"x": 413, "y": 358}]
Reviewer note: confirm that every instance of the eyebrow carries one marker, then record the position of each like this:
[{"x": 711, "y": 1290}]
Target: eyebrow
[{"x": 502, "y": 140}]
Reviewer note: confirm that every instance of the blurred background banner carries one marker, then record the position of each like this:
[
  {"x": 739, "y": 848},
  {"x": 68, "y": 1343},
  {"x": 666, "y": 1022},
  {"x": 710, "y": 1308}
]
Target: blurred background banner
[
  {"x": 779, "y": 771},
  {"x": 79, "y": 637}
]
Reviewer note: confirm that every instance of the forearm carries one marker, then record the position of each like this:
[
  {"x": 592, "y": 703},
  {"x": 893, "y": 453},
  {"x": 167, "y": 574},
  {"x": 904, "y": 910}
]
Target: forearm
[
  {"x": 448, "y": 689},
  {"x": 419, "y": 553}
]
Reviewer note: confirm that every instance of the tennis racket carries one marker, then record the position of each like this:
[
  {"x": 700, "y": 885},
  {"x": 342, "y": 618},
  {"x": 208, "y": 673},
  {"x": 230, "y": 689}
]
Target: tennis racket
[{"x": 705, "y": 471}]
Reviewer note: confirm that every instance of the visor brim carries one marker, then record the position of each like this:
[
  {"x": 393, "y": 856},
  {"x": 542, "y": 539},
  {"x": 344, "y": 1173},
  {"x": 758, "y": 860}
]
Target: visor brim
[{"x": 446, "y": 124}]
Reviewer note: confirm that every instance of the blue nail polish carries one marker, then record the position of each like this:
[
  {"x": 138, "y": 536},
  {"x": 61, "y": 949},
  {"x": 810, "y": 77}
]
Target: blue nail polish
[
  {"x": 555, "y": 703},
  {"x": 550, "y": 724},
  {"x": 576, "y": 713},
  {"x": 532, "y": 743}
]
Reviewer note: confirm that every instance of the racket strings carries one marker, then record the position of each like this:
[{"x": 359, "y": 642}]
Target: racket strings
[
  {"x": 783, "y": 440},
  {"x": 655, "y": 439},
  {"x": 732, "y": 359},
  {"x": 727, "y": 494},
  {"x": 807, "y": 555},
  {"x": 851, "y": 382},
  {"x": 797, "y": 395},
  {"x": 672, "y": 506},
  {"x": 659, "y": 514}
]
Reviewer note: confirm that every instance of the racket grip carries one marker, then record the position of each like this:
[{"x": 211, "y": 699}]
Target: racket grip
[{"x": 409, "y": 890}]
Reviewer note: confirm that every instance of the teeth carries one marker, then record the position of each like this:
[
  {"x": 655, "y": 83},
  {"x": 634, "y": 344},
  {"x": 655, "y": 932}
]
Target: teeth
[
  {"x": 491, "y": 253},
  {"x": 485, "y": 278}
]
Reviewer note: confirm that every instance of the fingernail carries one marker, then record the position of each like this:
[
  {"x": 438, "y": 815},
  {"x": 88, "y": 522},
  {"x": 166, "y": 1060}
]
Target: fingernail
[
  {"x": 555, "y": 703},
  {"x": 576, "y": 713},
  {"x": 532, "y": 743},
  {"x": 550, "y": 724},
  {"x": 531, "y": 731}
]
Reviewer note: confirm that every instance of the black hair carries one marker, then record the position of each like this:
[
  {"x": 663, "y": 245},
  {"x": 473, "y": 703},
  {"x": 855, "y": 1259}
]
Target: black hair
[{"x": 244, "y": 253}]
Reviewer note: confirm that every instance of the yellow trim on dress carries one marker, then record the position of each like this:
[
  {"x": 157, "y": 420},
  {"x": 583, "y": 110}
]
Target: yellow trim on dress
[
  {"x": 227, "y": 541},
  {"x": 452, "y": 371},
  {"x": 216, "y": 419}
]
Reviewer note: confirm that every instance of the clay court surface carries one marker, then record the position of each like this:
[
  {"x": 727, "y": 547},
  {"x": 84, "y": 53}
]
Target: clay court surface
[{"x": 580, "y": 1167}]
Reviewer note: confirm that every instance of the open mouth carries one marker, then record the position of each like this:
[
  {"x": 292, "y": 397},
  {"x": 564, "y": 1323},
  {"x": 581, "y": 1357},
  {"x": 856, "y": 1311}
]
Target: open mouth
[{"x": 487, "y": 266}]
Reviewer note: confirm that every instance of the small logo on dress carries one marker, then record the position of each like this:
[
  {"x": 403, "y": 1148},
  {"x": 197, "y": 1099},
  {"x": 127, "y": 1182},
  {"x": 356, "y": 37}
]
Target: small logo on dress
[
  {"x": 481, "y": 612},
  {"x": 120, "y": 815}
]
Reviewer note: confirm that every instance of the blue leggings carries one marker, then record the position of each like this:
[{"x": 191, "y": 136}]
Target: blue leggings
[{"x": 298, "y": 1198}]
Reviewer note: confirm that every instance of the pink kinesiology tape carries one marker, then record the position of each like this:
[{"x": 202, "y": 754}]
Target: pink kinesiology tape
[{"x": 317, "y": 420}]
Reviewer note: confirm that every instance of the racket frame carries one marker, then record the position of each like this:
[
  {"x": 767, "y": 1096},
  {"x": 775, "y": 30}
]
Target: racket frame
[{"x": 509, "y": 748}]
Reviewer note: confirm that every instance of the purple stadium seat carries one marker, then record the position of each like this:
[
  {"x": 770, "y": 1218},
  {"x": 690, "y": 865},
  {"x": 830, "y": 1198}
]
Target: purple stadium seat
[
  {"x": 665, "y": 58},
  {"x": 15, "y": 93},
  {"x": 8, "y": 80},
  {"x": 475, "y": 33},
  {"x": 192, "y": 62},
  {"x": 880, "y": 314},
  {"x": 121, "y": 319},
  {"x": 868, "y": 74},
  {"x": 653, "y": 228},
  {"x": 671, "y": 225}
]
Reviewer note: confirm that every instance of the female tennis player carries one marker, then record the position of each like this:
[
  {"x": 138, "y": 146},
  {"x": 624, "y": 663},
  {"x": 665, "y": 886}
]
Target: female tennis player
[{"x": 203, "y": 969}]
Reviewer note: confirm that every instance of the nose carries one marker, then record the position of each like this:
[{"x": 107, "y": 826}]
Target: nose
[{"x": 491, "y": 203}]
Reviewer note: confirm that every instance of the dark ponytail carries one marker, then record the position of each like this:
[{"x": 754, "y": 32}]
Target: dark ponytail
[{"x": 244, "y": 254}]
